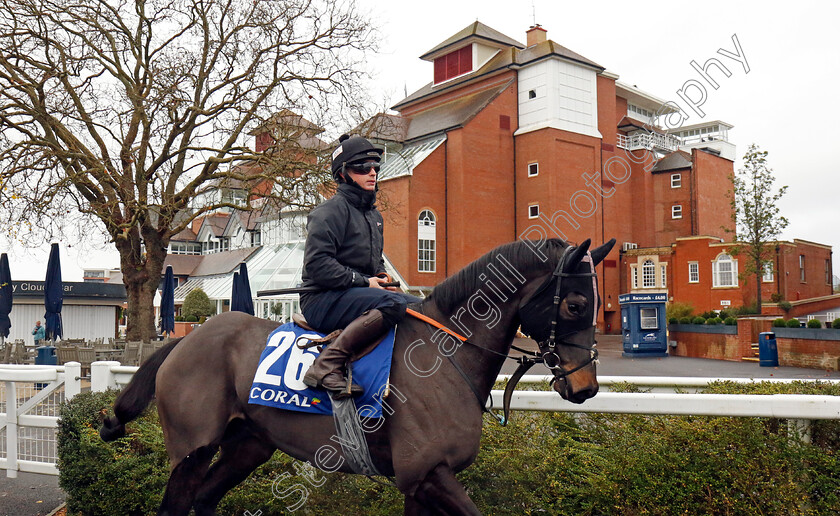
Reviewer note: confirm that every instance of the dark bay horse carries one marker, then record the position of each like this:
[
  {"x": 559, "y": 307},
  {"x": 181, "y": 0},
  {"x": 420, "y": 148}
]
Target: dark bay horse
[{"x": 433, "y": 418}]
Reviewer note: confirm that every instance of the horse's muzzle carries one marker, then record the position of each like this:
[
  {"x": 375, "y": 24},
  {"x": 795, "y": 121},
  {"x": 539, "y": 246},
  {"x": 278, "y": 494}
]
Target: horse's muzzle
[{"x": 576, "y": 392}]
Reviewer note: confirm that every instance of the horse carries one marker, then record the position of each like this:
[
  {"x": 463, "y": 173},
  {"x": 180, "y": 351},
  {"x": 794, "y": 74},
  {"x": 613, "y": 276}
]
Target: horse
[{"x": 438, "y": 384}]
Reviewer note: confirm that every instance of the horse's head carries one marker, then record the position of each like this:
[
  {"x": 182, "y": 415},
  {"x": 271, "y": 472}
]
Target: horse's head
[{"x": 559, "y": 312}]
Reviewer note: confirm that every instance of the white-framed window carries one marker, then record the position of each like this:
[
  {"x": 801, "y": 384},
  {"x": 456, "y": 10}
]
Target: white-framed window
[
  {"x": 648, "y": 274},
  {"x": 663, "y": 276},
  {"x": 533, "y": 211},
  {"x": 676, "y": 180},
  {"x": 693, "y": 272},
  {"x": 828, "y": 274},
  {"x": 634, "y": 276},
  {"x": 767, "y": 276},
  {"x": 802, "y": 268},
  {"x": 649, "y": 318},
  {"x": 724, "y": 271},
  {"x": 676, "y": 211},
  {"x": 426, "y": 242},
  {"x": 533, "y": 169}
]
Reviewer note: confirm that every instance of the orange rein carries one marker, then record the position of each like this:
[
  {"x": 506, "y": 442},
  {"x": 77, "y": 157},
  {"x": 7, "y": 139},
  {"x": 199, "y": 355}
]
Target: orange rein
[{"x": 434, "y": 323}]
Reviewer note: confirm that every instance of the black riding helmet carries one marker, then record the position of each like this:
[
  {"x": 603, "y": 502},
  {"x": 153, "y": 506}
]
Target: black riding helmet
[{"x": 352, "y": 149}]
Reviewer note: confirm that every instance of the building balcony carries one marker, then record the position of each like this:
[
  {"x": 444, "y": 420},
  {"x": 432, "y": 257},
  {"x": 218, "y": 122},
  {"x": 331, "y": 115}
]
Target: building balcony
[{"x": 648, "y": 141}]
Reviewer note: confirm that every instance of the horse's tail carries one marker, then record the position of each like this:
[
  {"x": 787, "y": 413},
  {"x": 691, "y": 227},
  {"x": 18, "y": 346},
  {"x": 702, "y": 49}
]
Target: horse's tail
[{"x": 136, "y": 396}]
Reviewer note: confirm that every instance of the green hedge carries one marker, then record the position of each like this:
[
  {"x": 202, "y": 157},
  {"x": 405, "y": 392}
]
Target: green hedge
[
  {"x": 814, "y": 323},
  {"x": 779, "y": 323},
  {"x": 541, "y": 463},
  {"x": 794, "y": 323}
]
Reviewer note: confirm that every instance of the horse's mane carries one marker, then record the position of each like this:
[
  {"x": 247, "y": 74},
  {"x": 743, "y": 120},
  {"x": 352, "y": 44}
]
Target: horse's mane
[{"x": 449, "y": 293}]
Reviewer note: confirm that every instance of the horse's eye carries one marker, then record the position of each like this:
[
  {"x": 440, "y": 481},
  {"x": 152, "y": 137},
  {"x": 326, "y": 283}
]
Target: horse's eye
[{"x": 575, "y": 309}]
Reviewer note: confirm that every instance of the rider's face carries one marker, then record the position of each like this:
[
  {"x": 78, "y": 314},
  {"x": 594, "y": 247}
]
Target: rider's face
[{"x": 366, "y": 179}]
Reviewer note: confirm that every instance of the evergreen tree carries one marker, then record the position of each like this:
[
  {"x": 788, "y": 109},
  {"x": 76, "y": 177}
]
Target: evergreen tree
[{"x": 755, "y": 211}]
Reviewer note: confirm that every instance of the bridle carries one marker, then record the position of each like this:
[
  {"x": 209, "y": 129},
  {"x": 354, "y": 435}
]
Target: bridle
[{"x": 548, "y": 346}]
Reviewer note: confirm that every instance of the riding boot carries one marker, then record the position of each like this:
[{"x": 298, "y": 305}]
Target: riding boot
[{"x": 329, "y": 368}]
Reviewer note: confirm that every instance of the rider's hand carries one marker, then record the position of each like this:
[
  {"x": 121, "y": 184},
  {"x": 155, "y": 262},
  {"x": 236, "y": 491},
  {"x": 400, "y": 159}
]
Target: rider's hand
[{"x": 376, "y": 283}]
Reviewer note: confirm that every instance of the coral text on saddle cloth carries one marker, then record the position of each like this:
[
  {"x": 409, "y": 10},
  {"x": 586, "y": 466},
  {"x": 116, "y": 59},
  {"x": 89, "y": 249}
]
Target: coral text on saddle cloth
[{"x": 279, "y": 379}]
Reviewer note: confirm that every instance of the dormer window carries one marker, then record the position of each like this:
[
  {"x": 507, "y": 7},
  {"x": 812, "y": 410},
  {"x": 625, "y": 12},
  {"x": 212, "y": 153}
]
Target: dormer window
[{"x": 453, "y": 64}]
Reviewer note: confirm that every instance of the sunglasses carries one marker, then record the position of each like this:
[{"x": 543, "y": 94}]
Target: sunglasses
[{"x": 363, "y": 168}]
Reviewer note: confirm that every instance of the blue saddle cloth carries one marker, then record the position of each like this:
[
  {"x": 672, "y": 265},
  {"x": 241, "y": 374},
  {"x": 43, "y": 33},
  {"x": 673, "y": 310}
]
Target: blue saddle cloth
[{"x": 279, "y": 379}]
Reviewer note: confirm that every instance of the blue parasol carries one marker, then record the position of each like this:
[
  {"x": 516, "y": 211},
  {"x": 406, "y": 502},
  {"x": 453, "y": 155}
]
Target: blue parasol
[
  {"x": 240, "y": 298},
  {"x": 5, "y": 297},
  {"x": 53, "y": 296},
  {"x": 167, "y": 302}
]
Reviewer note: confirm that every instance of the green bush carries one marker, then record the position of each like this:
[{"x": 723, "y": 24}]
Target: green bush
[
  {"x": 679, "y": 310},
  {"x": 673, "y": 320},
  {"x": 725, "y": 313},
  {"x": 179, "y": 318},
  {"x": 685, "y": 320},
  {"x": 814, "y": 323},
  {"x": 541, "y": 463},
  {"x": 709, "y": 315},
  {"x": 779, "y": 323},
  {"x": 714, "y": 320},
  {"x": 836, "y": 323},
  {"x": 745, "y": 310},
  {"x": 197, "y": 304},
  {"x": 698, "y": 320},
  {"x": 190, "y": 318},
  {"x": 730, "y": 321},
  {"x": 794, "y": 323},
  {"x": 775, "y": 297},
  {"x": 785, "y": 305}
]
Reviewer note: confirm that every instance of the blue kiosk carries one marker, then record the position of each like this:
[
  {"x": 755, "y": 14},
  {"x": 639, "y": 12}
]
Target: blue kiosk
[{"x": 643, "y": 329}]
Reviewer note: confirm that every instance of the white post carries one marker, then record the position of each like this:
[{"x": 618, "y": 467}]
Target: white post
[
  {"x": 101, "y": 377},
  {"x": 72, "y": 380},
  {"x": 11, "y": 430},
  {"x": 802, "y": 428}
]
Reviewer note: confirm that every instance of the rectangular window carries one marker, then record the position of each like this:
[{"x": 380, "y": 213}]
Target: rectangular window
[
  {"x": 648, "y": 274},
  {"x": 802, "y": 268},
  {"x": 828, "y": 272},
  {"x": 767, "y": 277},
  {"x": 533, "y": 169},
  {"x": 533, "y": 211},
  {"x": 725, "y": 273},
  {"x": 649, "y": 318},
  {"x": 426, "y": 255},
  {"x": 693, "y": 272},
  {"x": 256, "y": 239},
  {"x": 676, "y": 180},
  {"x": 453, "y": 64},
  {"x": 676, "y": 211},
  {"x": 663, "y": 276},
  {"x": 634, "y": 276}
]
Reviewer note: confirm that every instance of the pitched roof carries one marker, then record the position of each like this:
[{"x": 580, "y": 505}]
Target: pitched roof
[
  {"x": 182, "y": 264},
  {"x": 512, "y": 57},
  {"x": 674, "y": 161},
  {"x": 383, "y": 126},
  {"x": 216, "y": 223},
  {"x": 185, "y": 235},
  {"x": 474, "y": 30},
  {"x": 455, "y": 113},
  {"x": 222, "y": 263},
  {"x": 402, "y": 162}
]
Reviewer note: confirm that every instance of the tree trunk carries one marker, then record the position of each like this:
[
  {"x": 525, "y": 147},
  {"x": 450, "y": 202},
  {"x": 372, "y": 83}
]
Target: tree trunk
[{"x": 141, "y": 276}]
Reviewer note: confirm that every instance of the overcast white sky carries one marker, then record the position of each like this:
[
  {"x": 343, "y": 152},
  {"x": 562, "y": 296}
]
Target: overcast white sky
[{"x": 787, "y": 103}]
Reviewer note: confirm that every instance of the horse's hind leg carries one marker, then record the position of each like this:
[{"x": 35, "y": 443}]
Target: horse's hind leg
[
  {"x": 184, "y": 482},
  {"x": 238, "y": 458},
  {"x": 441, "y": 492},
  {"x": 415, "y": 508}
]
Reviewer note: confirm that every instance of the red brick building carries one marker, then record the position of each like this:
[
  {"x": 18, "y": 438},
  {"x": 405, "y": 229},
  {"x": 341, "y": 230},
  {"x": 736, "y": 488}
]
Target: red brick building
[
  {"x": 703, "y": 272},
  {"x": 534, "y": 140}
]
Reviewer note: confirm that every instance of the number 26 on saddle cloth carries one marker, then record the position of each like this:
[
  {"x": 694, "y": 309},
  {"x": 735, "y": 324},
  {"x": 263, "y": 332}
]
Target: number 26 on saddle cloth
[{"x": 279, "y": 378}]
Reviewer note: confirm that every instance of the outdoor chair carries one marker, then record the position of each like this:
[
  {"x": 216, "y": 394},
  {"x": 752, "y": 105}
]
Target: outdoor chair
[
  {"x": 146, "y": 351},
  {"x": 7, "y": 352},
  {"x": 86, "y": 356},
  {"x": 66, "y": 354},
  {"x": 131, "y": 354}
]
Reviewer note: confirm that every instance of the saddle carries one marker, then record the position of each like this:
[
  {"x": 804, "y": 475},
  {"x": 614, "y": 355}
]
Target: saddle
[{"x": 300, "y": 320}]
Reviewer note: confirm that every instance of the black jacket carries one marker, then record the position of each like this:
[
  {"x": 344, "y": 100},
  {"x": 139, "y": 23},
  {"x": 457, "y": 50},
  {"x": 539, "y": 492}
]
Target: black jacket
[{"x": 344, "y": 241}]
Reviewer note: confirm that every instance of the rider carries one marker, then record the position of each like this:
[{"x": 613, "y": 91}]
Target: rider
[{"x": 343, "y": 256}]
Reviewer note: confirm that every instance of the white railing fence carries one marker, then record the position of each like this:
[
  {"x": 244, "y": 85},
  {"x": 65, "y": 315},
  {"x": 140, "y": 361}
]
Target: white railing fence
[
  {"x": 30, "y": 397},
  {"x": 29, "y": 424}
]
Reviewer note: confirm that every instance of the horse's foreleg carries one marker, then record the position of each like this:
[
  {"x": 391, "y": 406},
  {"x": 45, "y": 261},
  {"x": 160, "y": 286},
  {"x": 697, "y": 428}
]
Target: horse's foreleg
[
  {"x": 184, "y": 482},
  {"x": 415, "y": 508},
  {"x": 236, "y": 461},
  {"x": 442, "y": 492}
]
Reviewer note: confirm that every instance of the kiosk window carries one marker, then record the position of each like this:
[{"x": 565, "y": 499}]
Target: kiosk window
[{"x": 648, "y": 318}]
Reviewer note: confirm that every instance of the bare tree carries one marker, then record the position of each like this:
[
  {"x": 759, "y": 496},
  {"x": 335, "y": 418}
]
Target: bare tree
[{"x": 128, "y": 111}]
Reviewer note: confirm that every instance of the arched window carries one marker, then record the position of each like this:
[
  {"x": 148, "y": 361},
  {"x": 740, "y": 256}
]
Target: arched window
[
  {"x": 724, "y": 271},
  {"x": 426, "y": 236},
  {"x": 648, "y": 274}
]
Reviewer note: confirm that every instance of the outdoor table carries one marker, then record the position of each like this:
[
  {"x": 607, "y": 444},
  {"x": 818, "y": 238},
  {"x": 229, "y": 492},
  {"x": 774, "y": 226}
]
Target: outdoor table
[{"x": 108, "y": 354}]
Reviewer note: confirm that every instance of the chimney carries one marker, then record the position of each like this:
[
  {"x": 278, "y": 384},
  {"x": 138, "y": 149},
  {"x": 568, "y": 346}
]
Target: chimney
[{"x": 535, "y": 34}]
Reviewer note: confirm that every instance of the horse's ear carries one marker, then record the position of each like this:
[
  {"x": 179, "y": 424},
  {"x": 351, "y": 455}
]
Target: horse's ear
[
  {"x": 577, "y": 255},
  {"x": 601, "y": 252}
]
